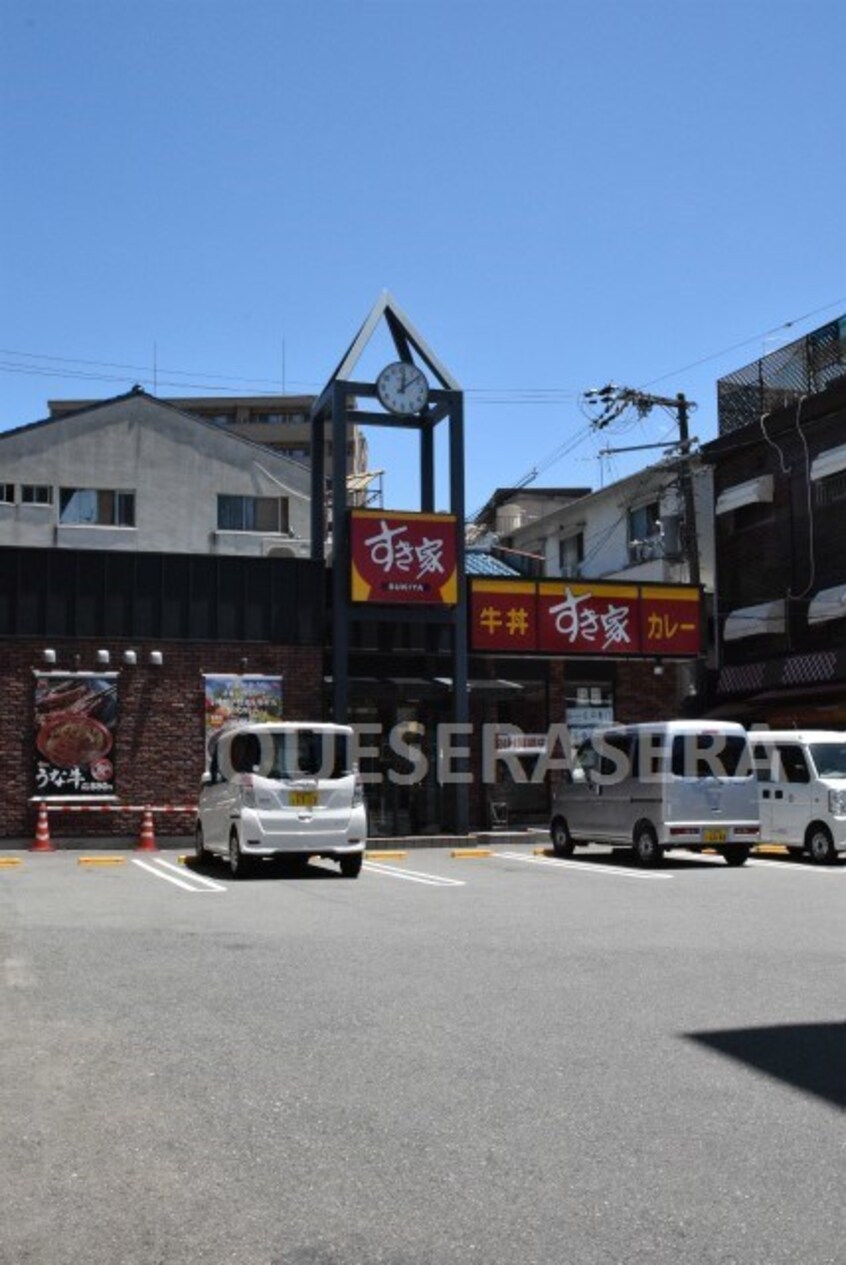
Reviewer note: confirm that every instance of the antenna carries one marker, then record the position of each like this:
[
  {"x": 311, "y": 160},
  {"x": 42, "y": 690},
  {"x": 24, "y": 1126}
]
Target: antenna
[
  {"x": 155, "y": 369},
  {"x": 284, "y": 392}
]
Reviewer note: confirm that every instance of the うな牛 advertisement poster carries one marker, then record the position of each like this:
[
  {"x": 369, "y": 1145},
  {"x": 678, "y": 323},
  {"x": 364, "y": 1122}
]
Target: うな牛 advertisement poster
[{"x": 75, "y": 729}]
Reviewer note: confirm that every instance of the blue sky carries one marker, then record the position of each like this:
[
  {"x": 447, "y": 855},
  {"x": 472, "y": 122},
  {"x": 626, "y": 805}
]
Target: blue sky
[{"x": 557, "y": 195}]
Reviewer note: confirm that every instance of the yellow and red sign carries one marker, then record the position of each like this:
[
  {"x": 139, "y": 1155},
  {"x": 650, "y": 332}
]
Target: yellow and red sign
[
  {"x": 404, "y": 557},
  {"x": 669, "y": 619},
  {"x": 503, "y": 615},
  {"x": 580, "y": 618}
]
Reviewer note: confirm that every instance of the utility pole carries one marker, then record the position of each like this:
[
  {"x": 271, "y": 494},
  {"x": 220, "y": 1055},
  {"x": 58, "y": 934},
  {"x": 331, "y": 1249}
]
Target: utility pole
[{"x": 615, "y": 400}]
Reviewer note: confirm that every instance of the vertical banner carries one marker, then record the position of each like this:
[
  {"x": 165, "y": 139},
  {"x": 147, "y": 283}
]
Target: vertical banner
[
  {"x": 75, "y": 730},
  {"x": 236, "y": 700}
]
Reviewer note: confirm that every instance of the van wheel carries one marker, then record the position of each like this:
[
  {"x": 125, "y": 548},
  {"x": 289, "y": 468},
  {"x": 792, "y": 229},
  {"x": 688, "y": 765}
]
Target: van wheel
[
  {"x": 645, "y": 845},
  {"x": 201, "y": 853},
  {"x": 736, "y": 856},
  {"x": 820, "y": 844},
  {"x": 351, "y": 865},
  {"x": 562, "y": 840},
  {"x": 239, "y": 865}
]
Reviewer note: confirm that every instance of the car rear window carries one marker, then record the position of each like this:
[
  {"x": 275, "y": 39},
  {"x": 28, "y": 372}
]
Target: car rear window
[
  {"x": 310, "y": 753},
  {"x": 711, "y": 755},
  {"x": 293, "y": 754}
]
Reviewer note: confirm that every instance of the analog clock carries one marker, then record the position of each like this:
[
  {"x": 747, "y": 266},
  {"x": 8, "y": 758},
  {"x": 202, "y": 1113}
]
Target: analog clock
[{"x": 402, "y": 388}]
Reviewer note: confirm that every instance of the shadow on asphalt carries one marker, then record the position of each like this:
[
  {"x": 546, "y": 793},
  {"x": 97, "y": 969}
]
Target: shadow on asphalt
[
  {"x": 265, "y": 871},
  {"x": 809, "y": 1056},
  {"x": 624, "y": 858}
]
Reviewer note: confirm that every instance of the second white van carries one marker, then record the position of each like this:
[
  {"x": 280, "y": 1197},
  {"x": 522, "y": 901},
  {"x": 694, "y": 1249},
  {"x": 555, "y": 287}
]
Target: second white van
[
  {"x": 802, "y": 788},
  {"x": 650, "y": 787}
]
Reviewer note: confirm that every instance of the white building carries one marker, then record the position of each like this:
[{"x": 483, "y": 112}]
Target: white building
[
  {"x": 135, "y": 473},
  {"x": 633, "y": 530}
]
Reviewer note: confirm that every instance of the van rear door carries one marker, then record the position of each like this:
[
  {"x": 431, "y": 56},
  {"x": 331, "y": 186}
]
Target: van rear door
[{"x": 711, "y": 781}]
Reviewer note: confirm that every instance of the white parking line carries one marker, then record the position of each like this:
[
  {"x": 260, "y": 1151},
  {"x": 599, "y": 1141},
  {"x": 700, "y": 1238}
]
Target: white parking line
[
  {"x": 191, "y": 876},
  {"x": 179, "y": 882},
  {"x": 413, "y": 876},
  {"x": 559, "y": 863}
]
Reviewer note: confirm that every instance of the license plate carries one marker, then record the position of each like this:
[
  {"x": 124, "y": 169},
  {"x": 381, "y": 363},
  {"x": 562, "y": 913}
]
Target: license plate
[
  {"x": 303, "y": 799},
  {"x": 714, "y": 836}
]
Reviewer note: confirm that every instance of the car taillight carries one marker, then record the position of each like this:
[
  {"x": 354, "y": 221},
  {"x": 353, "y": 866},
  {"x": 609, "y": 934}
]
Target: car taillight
[
  {"x": 248, "y": 794},
  {"x": 358, "y": 793}
]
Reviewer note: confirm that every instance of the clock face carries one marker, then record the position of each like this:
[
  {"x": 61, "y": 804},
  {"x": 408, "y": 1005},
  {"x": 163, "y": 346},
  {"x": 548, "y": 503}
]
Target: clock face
[{"x": 402, "y": 388}]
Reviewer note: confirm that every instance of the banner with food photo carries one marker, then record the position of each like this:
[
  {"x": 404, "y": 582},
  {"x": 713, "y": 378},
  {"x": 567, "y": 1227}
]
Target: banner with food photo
[
  {"x": 75, "y": 727},
  {"x": 238, "y": 699}
]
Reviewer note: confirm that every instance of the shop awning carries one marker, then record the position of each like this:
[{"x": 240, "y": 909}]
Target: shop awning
[
  {"x": 832, "y": 461},
  {"x": 488, "y": 686},
  {"x": 828, "y": 604},
  {"x": 754, "y": 490},
  {"x": 755, "y": 621}
]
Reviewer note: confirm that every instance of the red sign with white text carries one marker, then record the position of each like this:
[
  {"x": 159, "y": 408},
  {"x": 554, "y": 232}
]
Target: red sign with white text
[
  {"x": 588, "y": 618},
  {"x": 403, "y": 557},
  {"x": 566, "y": 617}
]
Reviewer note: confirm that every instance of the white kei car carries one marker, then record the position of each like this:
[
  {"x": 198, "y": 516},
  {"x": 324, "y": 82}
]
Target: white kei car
[{"x": 287, "y": 789}]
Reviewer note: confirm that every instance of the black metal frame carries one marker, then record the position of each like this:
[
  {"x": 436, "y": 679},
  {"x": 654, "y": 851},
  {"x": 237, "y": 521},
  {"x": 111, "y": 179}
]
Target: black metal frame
[{"x": 338, "y": 404}]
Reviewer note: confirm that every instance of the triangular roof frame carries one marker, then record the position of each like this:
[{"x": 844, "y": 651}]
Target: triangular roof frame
[{"x": 405, "y": 338}]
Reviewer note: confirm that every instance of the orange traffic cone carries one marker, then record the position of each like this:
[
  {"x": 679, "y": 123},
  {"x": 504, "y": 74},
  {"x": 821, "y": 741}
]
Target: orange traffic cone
[
  {"x": 42, "y": 842},
  {"x": 147, "y": 837}
]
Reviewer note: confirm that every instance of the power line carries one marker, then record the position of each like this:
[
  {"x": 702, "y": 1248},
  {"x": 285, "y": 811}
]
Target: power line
[
  {"x": 483, "y": 395},
  {"x": 116, "y": 364}
]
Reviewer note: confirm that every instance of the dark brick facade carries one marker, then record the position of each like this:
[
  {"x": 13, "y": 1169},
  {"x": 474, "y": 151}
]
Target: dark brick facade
[{"x": 159, "y": 744}]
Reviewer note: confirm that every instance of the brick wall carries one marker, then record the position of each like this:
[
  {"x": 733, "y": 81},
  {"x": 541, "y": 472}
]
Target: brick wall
[
  {"x": 159, "y": 744},
  {"x": 641, "y": 696}
]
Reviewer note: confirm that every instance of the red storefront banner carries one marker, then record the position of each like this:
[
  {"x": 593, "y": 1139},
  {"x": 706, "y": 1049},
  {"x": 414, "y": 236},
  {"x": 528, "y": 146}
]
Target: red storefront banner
[
  {"x": 503, "y": 616},
  {"x": 670, "y": 622},
  {"x": 566, "y": 617},
  {"x": 399, "y": 556},
  {"x": 588, "y": 618}
]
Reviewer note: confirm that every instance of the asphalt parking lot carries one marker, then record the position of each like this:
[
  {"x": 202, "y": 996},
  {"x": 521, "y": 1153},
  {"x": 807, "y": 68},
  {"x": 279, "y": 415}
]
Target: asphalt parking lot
[{"x": 503, "y": 1057}]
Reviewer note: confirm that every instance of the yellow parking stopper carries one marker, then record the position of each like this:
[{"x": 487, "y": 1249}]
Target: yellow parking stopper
[
  {"x": 467, "y": 853},
  {"x": 107, "y": 860}
]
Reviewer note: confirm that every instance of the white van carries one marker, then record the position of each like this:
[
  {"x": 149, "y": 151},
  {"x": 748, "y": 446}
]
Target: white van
[
  {"x": 677, "y": 784},
  {"x": 282, "y": 790},
  {"x": 802, "y": 788}
]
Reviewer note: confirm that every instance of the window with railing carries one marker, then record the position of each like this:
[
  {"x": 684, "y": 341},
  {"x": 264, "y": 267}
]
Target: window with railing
[
  {"x": 829, "y": 491},
  {"x": 644, "y": 532}
]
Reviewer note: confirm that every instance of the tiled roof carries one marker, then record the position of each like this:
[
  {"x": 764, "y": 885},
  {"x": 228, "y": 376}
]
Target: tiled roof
[{"x": 485, "y": 564}]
